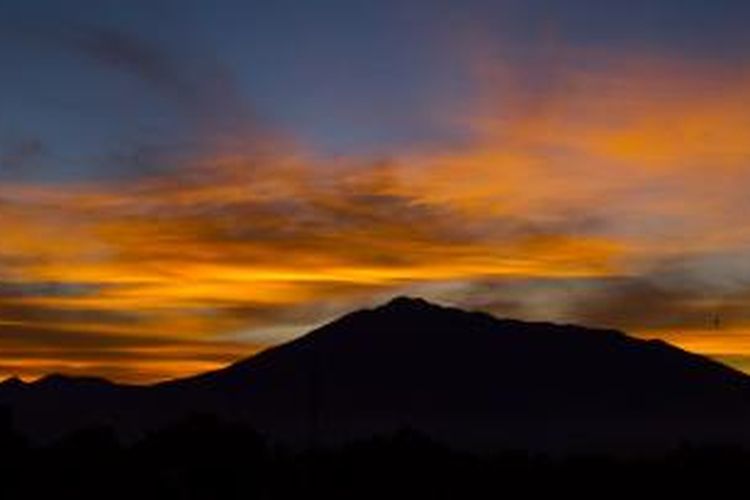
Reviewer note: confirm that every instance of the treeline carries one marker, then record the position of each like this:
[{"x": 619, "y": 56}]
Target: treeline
[{"x": 202, "y": 457}]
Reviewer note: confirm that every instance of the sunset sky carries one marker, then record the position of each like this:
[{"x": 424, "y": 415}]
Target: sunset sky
[{"x": 183, "y": 183}]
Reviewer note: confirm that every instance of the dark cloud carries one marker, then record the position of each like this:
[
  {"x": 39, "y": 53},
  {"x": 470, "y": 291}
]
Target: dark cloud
[
  {"x": 641, "y": 303},
  {"x": 122, "y": 51},
  {"x": 158, "y": 106},
  {"x": 203, "y": 89},
  {"x": 48, "y": 289},
  {"x": 649, "y": 302}
]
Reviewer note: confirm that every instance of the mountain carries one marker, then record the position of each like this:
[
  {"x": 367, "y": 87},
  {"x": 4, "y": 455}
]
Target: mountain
[{"x": 466, "y": 378}]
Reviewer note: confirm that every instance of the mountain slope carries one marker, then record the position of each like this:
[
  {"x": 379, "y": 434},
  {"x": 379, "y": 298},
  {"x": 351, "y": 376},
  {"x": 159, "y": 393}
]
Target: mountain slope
[
  {"x": 466, "y": 378},
  {"x": 471, "y": 377}
]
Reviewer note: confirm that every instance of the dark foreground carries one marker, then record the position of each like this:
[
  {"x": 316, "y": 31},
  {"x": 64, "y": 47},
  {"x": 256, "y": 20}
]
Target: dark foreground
[{"x": 203, "y": 458}]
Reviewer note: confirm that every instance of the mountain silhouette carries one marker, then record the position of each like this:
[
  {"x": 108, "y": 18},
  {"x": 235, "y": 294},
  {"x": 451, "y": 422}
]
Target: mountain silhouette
[{"x": 465, "y": 378}]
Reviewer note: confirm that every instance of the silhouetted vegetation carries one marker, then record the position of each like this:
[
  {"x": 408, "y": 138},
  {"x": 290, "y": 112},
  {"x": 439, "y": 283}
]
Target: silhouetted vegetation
[{"x": 202, "y": 457}]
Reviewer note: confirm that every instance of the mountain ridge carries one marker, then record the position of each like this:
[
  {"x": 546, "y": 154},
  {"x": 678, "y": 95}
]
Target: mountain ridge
[{"x": 467, "y": 378}]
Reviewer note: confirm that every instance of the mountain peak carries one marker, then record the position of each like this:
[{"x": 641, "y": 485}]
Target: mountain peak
[{"x": 406, "y": 303}]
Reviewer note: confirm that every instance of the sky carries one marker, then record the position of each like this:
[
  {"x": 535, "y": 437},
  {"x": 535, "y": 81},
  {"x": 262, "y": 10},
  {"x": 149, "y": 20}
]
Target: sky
[{"x": 185, "y": 183}]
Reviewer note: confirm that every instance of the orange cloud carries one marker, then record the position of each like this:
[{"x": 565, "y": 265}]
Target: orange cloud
[{"x": 605, "y": 173}]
